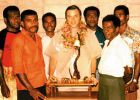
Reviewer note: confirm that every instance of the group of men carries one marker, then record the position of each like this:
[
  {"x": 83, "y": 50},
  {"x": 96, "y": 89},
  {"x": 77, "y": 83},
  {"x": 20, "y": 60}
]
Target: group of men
[{"x": 33, "y": 60}]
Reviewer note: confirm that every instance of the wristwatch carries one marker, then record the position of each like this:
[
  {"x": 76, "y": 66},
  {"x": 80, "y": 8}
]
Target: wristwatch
[{"x": 135, "y": 80}]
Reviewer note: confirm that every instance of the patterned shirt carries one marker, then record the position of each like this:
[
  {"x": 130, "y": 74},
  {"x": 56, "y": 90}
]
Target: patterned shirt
[{"x": 132, "y": 38}]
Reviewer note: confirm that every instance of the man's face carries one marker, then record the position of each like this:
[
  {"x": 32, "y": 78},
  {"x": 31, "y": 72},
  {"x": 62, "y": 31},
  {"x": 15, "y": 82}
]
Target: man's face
[
  {"x": 30, "y": 23},
  {"x": 13, "y": 20},
  {"x": 109, "y": 30},
  {"x": 91, "y": 18},
  {"x": 73, "y": 18},
  {"x": 121, "y": 15},
  {"x": 49, "y": 24}
]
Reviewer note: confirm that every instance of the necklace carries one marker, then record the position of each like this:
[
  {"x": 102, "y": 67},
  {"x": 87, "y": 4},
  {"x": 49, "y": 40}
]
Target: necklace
[{"x": 69, "y": 39}]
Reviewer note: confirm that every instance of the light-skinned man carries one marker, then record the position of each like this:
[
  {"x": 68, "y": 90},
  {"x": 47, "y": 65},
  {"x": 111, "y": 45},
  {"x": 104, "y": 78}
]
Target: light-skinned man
[{"x": 63, "y": 53}]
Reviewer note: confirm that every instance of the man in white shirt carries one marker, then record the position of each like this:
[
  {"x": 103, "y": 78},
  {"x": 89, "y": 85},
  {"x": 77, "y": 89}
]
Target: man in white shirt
[
  {"x": 115, "y": 57},
  {"x": 49, "y": 24}
]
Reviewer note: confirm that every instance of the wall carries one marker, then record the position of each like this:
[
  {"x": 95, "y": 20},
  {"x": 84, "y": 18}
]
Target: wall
[{"x": 58, "y": 7}]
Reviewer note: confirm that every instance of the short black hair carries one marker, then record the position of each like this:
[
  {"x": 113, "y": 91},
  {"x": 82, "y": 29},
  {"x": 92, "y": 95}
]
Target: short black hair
[
  {"x": 113, "y": 18},
  {"x": 73, "y": 7},
  {"x": 122, "y": 7},
  {"x": 10, "y": 9},
  {"x": 48, "y": 14},
  {"x": 27, "y": 12},
  {"x": 92, "y": 8}
]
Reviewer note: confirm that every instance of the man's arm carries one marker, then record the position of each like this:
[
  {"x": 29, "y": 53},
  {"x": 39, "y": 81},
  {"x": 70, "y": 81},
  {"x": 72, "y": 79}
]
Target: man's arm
[
  {"x": 133, "y": 85},
  {"x": 4, "y": 88},
  {"x": 93, "y": 71},
  {"x": 137, "y": 66},
  {"x": 128, "y": 72},
  {"x": 52, "y": 66},
  {"x": 1, "y": 51},
  {"x": 93, "y": 65},
  {"x": 33, "y": 92}
]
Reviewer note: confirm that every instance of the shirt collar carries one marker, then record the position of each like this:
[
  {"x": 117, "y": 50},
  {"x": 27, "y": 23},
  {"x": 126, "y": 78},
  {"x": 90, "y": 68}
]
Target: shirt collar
[{"x": 114, "y": 40}]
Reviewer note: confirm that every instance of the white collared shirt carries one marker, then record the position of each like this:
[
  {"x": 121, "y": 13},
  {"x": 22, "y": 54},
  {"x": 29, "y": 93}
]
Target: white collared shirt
[
  {"x": 45, "y": 42},
  {"x": 115, "y": 57}
]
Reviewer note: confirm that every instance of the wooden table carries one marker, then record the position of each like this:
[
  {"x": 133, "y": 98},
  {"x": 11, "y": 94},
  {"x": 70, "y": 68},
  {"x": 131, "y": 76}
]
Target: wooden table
[{"x": 54, "y": 86}]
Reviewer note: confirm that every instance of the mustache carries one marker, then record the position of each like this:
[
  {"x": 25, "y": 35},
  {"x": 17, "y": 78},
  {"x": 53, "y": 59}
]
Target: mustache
[{"x": 34, "y": 26}]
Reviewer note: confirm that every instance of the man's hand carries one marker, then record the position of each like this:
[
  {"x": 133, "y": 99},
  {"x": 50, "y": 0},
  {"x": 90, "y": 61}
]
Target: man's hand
[
  {"x": 132, "y": 87},
  {"x": 94, "y": 80},
  {"x": 37, "y": 95},
  {"x": 33, "y": 92},
  {"x": 48, "y": 88},
  {"x": 5, "y": 90},
  {"x": 128, "y": 71}
]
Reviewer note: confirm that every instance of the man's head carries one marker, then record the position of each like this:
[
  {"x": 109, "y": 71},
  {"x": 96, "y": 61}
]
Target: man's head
[
  {"x": 29, "y": 20},
  {"x": 91, "y": 15},
  {"x": 73, "y": 16},
  {"x": 122, "y": 12},
  {"x": 11, "y": 15},
  {"x": 49, "y": 22},
  {"x": 111, "y": 26}
]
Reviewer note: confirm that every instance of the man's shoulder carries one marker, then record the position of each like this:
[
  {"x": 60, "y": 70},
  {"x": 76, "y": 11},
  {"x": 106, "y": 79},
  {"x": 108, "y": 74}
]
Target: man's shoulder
[
  {"x": 2, "y": 38},
  {"x": 99, "y": 29},
  {"x": 132, "y": 33},
  {"x": 90, "y": 31},
  {"x": 3, "y": 30},
  {"x": 3, "y": 33},
  {"x": 38, "y": 36},
  {"x": 121, "y": 42},
  {"x": 99, "y": 33},
  {"x": 19, "y": 38},
  {"x": 58, "y": 32},
  {"x": 58, "y": 35},
  {"x": 132, "y": 30}
]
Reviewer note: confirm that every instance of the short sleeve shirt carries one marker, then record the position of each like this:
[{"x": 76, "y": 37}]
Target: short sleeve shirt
[
  {"x": 132, "y": 37},
  {"x": 6, "y": 38},
  {"x": 27, "y": 58},
  {"x": 115, "y": 57}
]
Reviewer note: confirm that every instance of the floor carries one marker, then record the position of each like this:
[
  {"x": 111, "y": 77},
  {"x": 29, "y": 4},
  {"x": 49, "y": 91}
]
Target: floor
[{"x": 74, "y": 96}]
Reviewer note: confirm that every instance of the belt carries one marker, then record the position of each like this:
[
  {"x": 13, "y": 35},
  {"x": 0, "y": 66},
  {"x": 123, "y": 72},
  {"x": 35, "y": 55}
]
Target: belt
[{"x": 109, "y": 76}]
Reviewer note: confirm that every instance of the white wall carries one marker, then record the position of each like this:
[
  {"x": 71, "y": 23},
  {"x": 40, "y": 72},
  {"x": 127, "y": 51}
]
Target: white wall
[{"x": 58, "y": 7}]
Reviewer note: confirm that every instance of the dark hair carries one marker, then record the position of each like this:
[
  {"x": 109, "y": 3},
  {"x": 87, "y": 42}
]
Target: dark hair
[
  {"x": 113, "y": 18},
  {"x": 92, "y": 8},
  {"x": 27, "y": 12},
  {"x": 10, "y": 9},
  {"x": 122, "y": 7},
  {"x": 48, "y": 14},
  {"x": 73, "y": 7}
]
